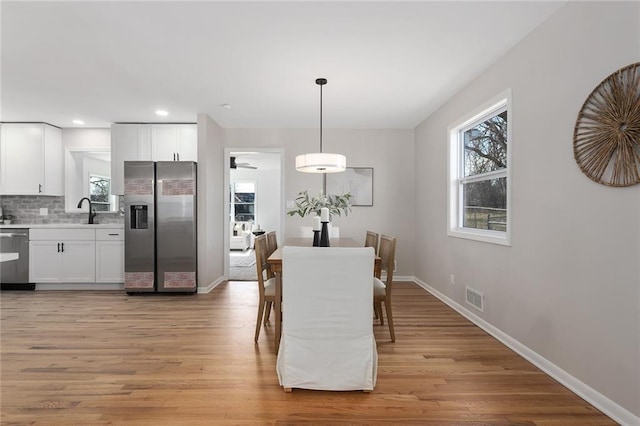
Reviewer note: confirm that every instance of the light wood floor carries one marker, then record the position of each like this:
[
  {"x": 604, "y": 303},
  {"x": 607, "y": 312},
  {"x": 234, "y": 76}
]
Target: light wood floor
[{"x": 93, "y": 358}]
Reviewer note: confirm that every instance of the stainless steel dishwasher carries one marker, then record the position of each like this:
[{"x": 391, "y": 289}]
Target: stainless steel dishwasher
[{"x": 14, "y": 269}]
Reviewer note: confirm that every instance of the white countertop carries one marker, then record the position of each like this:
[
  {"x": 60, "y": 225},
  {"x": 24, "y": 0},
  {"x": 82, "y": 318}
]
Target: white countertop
[
  {"x": 63, "y": 225},
  {"x": 5, "y": 257}
]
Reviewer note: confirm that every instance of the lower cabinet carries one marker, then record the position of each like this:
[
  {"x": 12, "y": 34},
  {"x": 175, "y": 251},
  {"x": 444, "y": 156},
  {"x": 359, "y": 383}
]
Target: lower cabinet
[
  {"x": 109, "y": 255},
  {"x": 71, "y": 255},
  {"x": 62, "y": 261}
]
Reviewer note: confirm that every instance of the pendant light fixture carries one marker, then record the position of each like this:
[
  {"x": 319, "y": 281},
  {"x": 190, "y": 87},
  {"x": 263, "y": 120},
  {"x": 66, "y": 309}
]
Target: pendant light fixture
[{"x": 321, "y": 162}]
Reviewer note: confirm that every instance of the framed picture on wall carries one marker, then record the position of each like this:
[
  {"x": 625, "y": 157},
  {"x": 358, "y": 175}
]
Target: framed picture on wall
[{"x": 356, "y": 180}]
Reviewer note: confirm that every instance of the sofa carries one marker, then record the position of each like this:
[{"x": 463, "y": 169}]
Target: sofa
[{"x": 240, "y": 238}]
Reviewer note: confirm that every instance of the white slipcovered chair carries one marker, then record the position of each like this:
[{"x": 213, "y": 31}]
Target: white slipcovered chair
[{"x": 327, "y": 334}]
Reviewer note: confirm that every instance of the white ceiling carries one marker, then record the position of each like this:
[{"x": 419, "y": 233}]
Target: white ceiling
[{"x": 388, "y": 64}]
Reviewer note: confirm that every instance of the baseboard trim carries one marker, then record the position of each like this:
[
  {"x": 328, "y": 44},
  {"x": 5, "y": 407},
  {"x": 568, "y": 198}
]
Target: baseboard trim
[
  {"x": 595, "y": 398},
  {"x": 211, "y": 286},
  {"x": 402, "y": 278}
]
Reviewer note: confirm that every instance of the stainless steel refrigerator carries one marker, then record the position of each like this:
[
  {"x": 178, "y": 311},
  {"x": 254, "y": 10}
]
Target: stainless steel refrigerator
[{"x": 160, "y": 243}]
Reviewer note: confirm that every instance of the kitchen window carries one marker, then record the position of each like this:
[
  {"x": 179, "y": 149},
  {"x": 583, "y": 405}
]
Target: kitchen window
[
  {"x": 100, "y": 192},
  {"x": 480, "y": 170}
]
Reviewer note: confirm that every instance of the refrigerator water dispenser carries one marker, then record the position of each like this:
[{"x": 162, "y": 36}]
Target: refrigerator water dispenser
[{"x": 139, "y": 216}]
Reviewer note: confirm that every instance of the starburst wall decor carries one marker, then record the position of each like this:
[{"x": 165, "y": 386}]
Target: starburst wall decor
[{"x": 606, "y": 138}]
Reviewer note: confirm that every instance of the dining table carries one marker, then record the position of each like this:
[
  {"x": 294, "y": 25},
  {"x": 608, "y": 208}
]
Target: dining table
[{"x": 275, "y": 263}]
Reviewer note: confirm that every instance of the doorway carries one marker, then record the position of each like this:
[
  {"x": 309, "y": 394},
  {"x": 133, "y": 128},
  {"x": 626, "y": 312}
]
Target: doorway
[{"x": 254, "y": 203}]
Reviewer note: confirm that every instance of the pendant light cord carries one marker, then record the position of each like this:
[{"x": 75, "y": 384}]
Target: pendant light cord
[
  {"x": 320, "y": 118},
  {"x": 321, "y": 82}
]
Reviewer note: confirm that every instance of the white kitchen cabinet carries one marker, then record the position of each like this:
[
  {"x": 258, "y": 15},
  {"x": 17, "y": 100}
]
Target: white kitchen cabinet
[
  {"x": 31, "y": 159},
  {"x": 129, "y": 142},
  {"x": 110, "y": 255},
  {"x": 174, "y": 142},
  {"x": 62, "y": 255},
  {"x": 146, "y": 142}
]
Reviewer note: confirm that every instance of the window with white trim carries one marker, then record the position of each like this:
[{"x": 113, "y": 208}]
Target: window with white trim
[
  {"x": 479, "y": 166},
  {"x": 100, "y": 192}
]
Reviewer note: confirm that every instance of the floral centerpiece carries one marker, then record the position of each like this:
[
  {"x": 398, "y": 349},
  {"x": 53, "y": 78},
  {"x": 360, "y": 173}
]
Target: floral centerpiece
[{"x": 306, "y": 204}]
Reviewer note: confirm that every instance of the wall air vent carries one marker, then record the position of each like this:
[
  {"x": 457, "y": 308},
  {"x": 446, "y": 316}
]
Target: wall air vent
[{"x": 475, "y": 298}]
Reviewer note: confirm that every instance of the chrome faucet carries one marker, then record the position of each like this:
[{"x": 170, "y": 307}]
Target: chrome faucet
[{"x": 92, "y": 212}]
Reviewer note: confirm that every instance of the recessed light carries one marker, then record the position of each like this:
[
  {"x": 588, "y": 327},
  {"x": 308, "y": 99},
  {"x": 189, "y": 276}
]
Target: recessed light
[
  {"x": 79, "y": 122},
  {"x": 162, "y": 112},
  {"x": 225, "y": 106}
]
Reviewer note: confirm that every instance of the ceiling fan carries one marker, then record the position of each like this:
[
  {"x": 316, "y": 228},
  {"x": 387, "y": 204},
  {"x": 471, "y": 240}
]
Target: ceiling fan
[{"x": 235, "y": 165}]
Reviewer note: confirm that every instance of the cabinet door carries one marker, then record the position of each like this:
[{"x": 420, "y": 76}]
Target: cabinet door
[
  {"x": 188, "y": 142},
  {"x": 78, "y": 261},
  {"x": 22, "y": 151},
  {"x": 129, "y": 142},
  {"x": 45, "y": 262},
  {"x": 109, "y": 261},
  {"x": 164, "y": 142},
  {"x": 53, "y": 166}
]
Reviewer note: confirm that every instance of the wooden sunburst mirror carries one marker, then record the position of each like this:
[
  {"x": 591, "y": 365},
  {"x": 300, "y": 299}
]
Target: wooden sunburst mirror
[{"x": 606, "y": 139}]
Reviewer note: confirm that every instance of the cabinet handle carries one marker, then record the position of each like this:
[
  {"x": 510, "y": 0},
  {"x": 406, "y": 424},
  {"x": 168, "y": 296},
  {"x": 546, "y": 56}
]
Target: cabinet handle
[
  {"x": 114, "y": 235},
  {"x": 174, "y": 156},
  {"x": 39, "y": 188},
  {"x": 58, "y": 247},
  {"x": 178, "y": 155},
  {"x": 63, "y": 247}
]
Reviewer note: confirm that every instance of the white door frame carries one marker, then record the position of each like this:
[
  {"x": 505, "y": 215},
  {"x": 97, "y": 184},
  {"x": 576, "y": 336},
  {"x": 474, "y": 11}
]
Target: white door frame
[{"x": 227, "y": 182}]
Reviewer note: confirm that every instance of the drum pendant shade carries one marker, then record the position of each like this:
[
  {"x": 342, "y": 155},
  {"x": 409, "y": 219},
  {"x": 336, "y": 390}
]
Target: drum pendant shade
[{"x": 321, "y": 162}]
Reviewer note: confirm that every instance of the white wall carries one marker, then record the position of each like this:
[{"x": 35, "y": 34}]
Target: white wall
[
  {"x": 389, "y": 152},
  {"x": 210, "y": 203},
  {"x": 92, "y": 166},
  {"x": 569, "y": 286},
  {"x": 86, "y": 138},
  {"x": 76, "y": 174}
]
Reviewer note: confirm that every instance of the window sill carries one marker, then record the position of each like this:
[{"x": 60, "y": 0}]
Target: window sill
[{"x": 492, "y": 237}]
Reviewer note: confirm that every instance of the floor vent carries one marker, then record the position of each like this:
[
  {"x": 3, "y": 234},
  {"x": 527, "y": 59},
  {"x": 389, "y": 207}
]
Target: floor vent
[{"x": 475, "y": 298}]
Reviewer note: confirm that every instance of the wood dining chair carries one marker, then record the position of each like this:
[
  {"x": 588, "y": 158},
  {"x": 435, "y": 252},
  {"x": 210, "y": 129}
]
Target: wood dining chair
[
  {"x": 266, "y": 283},
  {"x": 272, "y": 242},
  {"x": 371, "y": 240},
  {"x": 382, "y": 289}
]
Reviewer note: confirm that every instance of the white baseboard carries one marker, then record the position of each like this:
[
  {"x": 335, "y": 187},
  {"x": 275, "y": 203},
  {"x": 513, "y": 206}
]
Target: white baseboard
[
  {"x": 595, "y": 398},
  {"x": 401, "y": 278},
  {"x": 211, "y": 286}
]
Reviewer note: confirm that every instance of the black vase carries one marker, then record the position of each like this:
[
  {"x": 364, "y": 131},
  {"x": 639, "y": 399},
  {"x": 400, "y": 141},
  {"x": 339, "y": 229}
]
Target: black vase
[
  {"x": 316, "y": 238},
  {"x": 324, "y": 235}
]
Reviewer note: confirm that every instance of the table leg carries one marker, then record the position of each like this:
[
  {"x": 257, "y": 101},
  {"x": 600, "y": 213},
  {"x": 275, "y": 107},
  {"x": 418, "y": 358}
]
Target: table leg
[{"x": 278, "y": 309}]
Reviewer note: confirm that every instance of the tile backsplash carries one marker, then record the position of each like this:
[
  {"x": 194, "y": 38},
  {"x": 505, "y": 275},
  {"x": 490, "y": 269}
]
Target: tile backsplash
[{"x": 26, "y": 209}]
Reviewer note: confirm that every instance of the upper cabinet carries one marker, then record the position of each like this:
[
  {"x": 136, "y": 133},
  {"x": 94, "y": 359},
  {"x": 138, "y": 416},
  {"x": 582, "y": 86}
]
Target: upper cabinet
[
  {"x": 31, "y": 159},
  {"x": 149, "y": 142},
  {"x": 177, "y": 142},
  {"x": 129, "y": 142}
]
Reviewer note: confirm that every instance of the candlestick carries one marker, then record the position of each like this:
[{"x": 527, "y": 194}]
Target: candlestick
[
  {"x": 324, "y": 235},
  {"x": 316, "y": 223}
]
